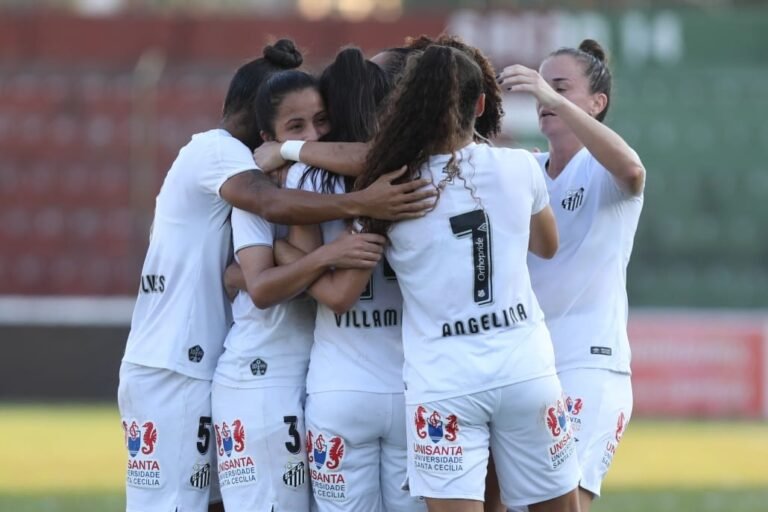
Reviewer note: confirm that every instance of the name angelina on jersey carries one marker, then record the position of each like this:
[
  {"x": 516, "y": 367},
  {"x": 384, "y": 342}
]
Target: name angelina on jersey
[{"x": 505, "y": 318}]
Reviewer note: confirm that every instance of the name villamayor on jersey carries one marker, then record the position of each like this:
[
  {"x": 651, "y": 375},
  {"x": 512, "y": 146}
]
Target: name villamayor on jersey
[
  {"x": 367, "y": 319},
  {"x": 505, "y": 318}
]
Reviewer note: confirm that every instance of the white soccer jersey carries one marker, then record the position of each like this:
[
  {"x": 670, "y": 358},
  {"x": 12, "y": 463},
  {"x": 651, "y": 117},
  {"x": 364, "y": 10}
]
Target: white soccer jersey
[
  {"x": 471, "y": 321},
  {"x": 583, "y": 290},
  {"x": 360, "y": 350},
  {"x": 182, "y": 314},
  {"x": 265, "y": 347}
]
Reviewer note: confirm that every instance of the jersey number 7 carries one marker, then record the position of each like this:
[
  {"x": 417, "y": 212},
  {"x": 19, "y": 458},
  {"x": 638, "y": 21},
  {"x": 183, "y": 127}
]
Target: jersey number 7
[{"x": 477, "y": 226}]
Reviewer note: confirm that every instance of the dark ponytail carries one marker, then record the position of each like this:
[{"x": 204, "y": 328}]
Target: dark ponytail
[
  {"x": 431, "y": 111},
  {"x": 352, "y": 88},
  {"x": 595, "y": 64}
]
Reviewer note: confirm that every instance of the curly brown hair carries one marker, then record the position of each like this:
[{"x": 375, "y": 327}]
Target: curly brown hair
[
  {"x": 431, "y": 111},
  {"x": 489, "y": 124}
]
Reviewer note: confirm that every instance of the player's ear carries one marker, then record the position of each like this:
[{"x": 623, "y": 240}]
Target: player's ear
[
  {"x": 480, "y": 105},
  {"x": 599, "y": 102},
  {"x": 266, "y": 137}
]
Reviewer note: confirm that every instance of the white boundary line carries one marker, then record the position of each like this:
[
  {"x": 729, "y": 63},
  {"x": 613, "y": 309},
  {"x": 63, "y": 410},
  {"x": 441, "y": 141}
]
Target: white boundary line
[{"x": 81, "y": 311}]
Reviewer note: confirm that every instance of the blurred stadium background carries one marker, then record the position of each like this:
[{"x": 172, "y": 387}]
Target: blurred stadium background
[{"x": 97, "y": 96}]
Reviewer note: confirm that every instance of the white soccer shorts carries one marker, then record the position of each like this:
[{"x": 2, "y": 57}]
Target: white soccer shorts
[
  {"x": 600, "y": 406},
  {"x": 524, "y": 424},
  {"x": 166, "y": 419},
  {"x": 357, "y": 452},
  {"x": 260, "y": 449}
]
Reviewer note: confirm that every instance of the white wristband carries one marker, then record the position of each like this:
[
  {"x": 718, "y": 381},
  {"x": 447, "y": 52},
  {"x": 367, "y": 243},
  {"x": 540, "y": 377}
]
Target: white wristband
[{"x": 290, "y": 150}]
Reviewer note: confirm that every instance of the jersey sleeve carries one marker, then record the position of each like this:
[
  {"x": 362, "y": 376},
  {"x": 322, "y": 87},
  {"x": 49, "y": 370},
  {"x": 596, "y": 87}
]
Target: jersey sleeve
[
  {"x": 250, "y": 230},
  {"x": 231, "y": 157},
  {"x": 611, "y": 190},
  {"x": 539, "y": 186},
  {"x": 293, "y": 178}
]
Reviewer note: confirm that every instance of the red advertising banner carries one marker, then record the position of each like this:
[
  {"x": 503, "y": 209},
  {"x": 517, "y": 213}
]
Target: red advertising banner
[{"x": 694, "y": 364}]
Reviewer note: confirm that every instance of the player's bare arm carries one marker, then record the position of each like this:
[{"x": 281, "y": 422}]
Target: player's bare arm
[
  {"x": 603, "y": 143},
  {"x": 544, "y": 239},
  {"x": 338, "y": 288},
  {"x": 269, "y": 284},
  {"x": 345, "y": 158},
  {"x": 234, "y": 280},
  {"x": 254, "y": 192}
]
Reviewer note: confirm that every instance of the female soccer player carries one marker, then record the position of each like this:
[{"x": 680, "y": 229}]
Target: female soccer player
[
  {"x": 259, "y": 384},
  {"x": 595, "y": 181},
  {"x": 355, "y": 407},
  {"x": 181, "y": 315},
  {"x": 479, "y": 365}
]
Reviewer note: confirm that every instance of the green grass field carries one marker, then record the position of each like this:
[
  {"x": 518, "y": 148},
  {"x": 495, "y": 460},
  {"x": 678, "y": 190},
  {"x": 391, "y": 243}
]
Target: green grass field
[{"x": 70, "y": 459}]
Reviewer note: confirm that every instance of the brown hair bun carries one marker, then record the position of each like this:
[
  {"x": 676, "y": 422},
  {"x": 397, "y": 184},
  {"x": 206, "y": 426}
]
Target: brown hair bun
[
  {"x": 283, "y": 54},
  {"x": 593, "y": 48}
]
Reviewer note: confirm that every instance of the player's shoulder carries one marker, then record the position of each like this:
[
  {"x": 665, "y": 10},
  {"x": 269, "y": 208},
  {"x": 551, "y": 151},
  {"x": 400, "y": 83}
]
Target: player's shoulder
[
  {"x": 510, "y": 161},
  {"x": 512, "y": 155},
  {"x": 293, "y": 178},
  {"x": 212, "y": 145},
  {"x": 213, "y": 136}
]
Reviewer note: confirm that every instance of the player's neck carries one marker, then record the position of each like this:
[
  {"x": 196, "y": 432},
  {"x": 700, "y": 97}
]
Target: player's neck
[
  {"x": 560, "y": 153},
  {"x": 235, "y": 126},
  {"x": 455, "y": 145}
]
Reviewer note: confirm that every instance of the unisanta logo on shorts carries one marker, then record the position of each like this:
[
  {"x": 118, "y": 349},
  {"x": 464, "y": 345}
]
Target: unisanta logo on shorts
[
  {"x": 556, "y": 419},
  {"x": 143, "y": 470},
  {"x": 227, "y": 440},
  {"x": 325, "y": 457},
  {"x": 433, "y": 426},
  {"x": 321, "y": 454},
  {"x": 236, "y": 469},
  {"x": 610, "y": 446},
  {"x": 437, "y": 457},
  {"x": 620, "y": 427},
  {"x": 557, "y": 424},
  {"x": 574, "y": 406},
  {"x": 135, "y": 436}
]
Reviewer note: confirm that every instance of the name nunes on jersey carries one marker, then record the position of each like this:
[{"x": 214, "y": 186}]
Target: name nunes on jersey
[
  {"x": 505, "y": 318},
  {"x": 366, "y": 319},
  {"x": 152, "y": 283}
]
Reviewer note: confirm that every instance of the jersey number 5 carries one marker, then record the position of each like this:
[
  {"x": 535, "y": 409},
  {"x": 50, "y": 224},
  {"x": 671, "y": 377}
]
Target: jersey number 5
[
  {"x": 204, "y": 435},
  {"x": 477, "y": 226}
]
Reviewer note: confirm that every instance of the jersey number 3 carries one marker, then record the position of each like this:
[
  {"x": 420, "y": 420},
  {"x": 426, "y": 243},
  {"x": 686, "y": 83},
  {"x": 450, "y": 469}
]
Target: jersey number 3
[{"x": 477, "y": 226}]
